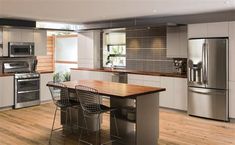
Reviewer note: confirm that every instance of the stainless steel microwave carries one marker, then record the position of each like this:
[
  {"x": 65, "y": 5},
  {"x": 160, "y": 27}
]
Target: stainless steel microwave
[{"x": 20, "y": 49}]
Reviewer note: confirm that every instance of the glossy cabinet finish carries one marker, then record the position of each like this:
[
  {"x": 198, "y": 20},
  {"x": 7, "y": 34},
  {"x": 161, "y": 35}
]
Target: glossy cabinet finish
[
  {"x": 1, "y": 41},
  {"x": 39, "y": 37},
  {"x": 89, "y": 49},
  {"x": 202, "y": 30},
  {"x": 174, "y": 97},
  {"x": 40, "y": 42},
  {"x": 90, "y": 75},
  {"x": 45, "y": 94},
  {"x": 177, "y": 42},
  {"x": 5, "y": 42},
  {"x": 232, "y": 69},
  {"x": 6, "y": 91},
  {"x": 20, "y": 35}
]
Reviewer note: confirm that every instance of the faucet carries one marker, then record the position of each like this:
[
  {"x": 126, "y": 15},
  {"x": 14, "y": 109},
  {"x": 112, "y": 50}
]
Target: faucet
[{"x": 110, "y": 62}]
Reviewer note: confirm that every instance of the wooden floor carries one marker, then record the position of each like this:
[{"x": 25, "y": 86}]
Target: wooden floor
[{"x": 31, "y": 126}]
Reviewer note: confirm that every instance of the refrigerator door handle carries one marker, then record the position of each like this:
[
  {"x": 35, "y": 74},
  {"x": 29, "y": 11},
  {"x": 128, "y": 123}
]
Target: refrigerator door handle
[
  {"x": 207, "y": 91},
  {"x": 206, "y": 63},
  {"x": 204, "y": 67}
]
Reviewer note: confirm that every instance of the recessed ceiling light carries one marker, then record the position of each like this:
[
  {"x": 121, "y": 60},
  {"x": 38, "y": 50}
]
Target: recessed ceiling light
[{"x": 154, "y": 11}]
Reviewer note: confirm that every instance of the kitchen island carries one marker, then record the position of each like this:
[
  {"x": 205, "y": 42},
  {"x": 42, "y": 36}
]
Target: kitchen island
[{"x": 141, "y": 100}]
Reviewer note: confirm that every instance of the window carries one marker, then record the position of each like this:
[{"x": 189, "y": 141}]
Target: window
[
  {"x": 114, "y": 50},
  {"x": 66, "y": 53}
]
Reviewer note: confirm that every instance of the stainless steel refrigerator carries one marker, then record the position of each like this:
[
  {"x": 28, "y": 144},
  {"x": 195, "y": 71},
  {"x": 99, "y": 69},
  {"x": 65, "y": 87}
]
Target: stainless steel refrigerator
[{"x": 208, "y": 78}]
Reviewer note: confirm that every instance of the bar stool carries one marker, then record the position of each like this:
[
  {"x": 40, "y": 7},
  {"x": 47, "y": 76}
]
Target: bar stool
[
  {"x": 60, "y": 97},
  {"x": 90, "y": 101}
]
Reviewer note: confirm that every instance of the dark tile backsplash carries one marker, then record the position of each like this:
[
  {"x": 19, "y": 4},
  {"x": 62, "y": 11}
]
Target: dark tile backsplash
[{"x": 146, "y": 50}]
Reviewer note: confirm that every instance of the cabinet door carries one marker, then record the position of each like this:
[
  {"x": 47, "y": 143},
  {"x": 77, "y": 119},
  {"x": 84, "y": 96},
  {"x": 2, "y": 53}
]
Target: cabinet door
[
  {"x": 232, "y": 51},
  {"x": 167, "y": 97},
  {"x": 232, "y": 99},
  {"x": 14, "y": 35},
  {"x": 6, "y": 91},
  {"x": 106, "y": 76},
  {"x": 5, "y": 42},
  {"x": 180, "y": 93},
  {"x": 135, "y": 82},
  {"x": 135, "y": 79},
  {"x": 183, "y": 44},
  {"x": 197, "y": 30},
  {"x": 152, "y": 84},
  {"x": 173, "y": 42},
  {"x": 27, "y": 35},
  {"x": 79, "y": 75},
  {"x": 218, "y": 29},
  {"x": 1, "y": 42},
  {"x": 40, "y": 40},
  {"x": 45, "y": 94},
  {"x": 85, "y": 50}
]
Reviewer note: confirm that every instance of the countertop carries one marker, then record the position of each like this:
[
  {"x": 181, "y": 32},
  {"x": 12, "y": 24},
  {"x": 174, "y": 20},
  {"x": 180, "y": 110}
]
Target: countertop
[
  {"x": 6, "y": 74},
  {"x": 12, "y": 74},
  {"x": 134, "y": 72},
  {"x": 113, "y": 89}
]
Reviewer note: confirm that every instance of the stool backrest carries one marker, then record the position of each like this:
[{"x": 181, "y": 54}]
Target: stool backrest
[
  {"x": 59, "y": 92},
  {"x": 89, "y": 99}
]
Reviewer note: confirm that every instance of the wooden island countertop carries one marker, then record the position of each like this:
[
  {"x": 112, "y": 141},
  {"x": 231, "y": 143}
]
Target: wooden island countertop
[{"x": 113, "y": 89}]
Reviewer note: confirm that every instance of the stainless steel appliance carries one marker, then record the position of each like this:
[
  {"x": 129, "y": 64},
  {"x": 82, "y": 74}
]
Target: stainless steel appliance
[
  {"x": 208, "y": 78},
  {"x": 20, "y": 49},
  {"x": 27, "y": 81},
  {"x": 27, "y": 89},
  {"x": 180, "y": 65}
]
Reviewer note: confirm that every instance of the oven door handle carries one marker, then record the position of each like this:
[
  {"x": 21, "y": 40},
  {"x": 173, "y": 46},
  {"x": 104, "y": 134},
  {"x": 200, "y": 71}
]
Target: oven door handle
[
  {"x": 23, "y": 92},
  {"x": 26, "y": 80}
]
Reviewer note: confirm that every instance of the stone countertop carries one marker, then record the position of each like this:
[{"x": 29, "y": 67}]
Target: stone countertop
[{"x": 134, "y": 72}]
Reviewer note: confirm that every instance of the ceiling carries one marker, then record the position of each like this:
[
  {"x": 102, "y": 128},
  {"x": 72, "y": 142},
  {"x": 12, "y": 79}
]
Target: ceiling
[{"x": 79, "y": 11}]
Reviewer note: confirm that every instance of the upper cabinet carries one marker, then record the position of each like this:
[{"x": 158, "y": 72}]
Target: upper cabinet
[
  {"x": 40, "y": 42},
  {"x": 1, "y": 41},
  {"x": 218, "y": 29},
  {"x": 39, "y": 37},
  {"x": 177, "y": 42},
  {"x": 20, "y": 35}
]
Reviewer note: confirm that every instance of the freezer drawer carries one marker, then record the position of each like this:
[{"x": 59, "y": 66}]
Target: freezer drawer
[{"x": 208, "y": 103}]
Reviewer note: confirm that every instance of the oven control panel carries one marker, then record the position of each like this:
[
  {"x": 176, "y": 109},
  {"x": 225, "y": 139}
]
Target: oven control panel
[{"x": 26, "y": 75}]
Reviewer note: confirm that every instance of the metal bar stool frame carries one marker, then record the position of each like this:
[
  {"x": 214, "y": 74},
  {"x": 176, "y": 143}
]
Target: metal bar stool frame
[
  {"x": 90, "y": 101},
  {"x": 60, "y": 97}
]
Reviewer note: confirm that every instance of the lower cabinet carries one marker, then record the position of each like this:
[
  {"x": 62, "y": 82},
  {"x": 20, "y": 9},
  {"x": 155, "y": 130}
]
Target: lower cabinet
[
  {"x": 232, "y": 99},
  {"x": 90, "y": 75},
  {"x": 45, "y": 94},
  {"x": 167, "y": 97},
  {"x": 6, "y": 91},
  {"x": 174, "y": 97}
]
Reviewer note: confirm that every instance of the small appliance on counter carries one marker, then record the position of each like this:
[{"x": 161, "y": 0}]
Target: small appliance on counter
[{"x": 180, "y": 65}]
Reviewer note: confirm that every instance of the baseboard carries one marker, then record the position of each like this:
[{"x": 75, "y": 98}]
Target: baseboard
[
  {"x": 173, "y": 110},
  {"x": 46, "y": 101},
  {"x": 232, "y": 120},
  {"x": 6, "y": 108}
]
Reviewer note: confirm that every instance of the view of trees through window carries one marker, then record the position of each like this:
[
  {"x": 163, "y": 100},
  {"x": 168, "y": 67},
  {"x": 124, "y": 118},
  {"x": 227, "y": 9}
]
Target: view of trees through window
[{"x": 114, "y": 50}]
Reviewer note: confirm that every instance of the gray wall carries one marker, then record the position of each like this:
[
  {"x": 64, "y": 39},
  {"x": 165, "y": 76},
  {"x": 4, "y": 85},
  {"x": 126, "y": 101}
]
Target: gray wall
[{"x": 146, "y": 50}]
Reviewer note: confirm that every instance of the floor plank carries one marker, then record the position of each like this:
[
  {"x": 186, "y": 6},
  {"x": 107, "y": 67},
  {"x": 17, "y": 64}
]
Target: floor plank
[{"x": 31, "y": 126}]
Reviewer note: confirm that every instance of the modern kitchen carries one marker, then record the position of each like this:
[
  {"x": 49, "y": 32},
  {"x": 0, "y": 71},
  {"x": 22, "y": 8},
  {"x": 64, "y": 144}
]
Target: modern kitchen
[{"x": 84, "y": 72}]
